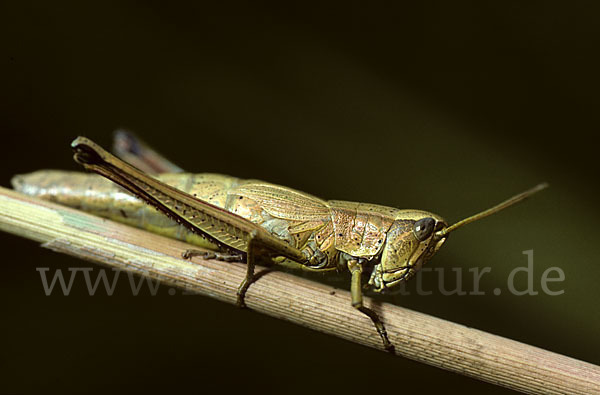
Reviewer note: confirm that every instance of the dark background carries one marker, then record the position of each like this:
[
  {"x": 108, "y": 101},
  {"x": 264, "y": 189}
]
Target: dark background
[{"x": 448, "y": 107}]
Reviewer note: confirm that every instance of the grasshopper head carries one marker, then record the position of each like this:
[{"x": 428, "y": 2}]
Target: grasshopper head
[
  {"x": 415, "y": 236},
  {"x": 411, "y": 241}
]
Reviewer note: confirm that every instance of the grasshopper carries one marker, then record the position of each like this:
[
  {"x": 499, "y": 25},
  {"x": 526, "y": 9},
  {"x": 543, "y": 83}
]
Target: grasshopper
[{"x": 247, "y": 220}]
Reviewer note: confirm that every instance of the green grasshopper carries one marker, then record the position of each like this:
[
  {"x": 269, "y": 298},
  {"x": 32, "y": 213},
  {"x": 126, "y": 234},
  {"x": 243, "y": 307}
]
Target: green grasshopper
[{"x": 247, "y": 220}]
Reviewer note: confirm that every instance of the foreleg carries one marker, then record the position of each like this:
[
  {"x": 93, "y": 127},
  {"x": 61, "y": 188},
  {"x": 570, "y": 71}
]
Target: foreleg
[{"x": 357, "y": 302}]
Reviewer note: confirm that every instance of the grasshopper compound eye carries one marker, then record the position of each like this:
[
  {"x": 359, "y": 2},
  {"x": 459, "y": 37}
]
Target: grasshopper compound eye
[{"x": 423, "y": 228}]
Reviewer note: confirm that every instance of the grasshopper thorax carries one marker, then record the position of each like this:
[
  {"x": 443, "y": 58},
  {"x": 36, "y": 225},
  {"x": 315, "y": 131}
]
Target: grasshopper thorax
[{"x": 410, "y": 242}]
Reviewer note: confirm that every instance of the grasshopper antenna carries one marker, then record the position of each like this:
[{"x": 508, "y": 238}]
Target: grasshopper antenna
[{"x": 507, "y": 203}]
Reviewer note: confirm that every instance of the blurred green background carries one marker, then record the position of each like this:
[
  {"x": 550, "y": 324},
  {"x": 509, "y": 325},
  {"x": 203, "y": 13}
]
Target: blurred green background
[{"x": 444, "y": 106}]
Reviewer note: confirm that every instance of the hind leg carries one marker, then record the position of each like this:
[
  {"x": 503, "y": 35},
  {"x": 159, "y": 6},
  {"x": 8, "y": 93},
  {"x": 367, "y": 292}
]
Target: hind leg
[
  {"x": 219, "y": 256},
  {"x": 132, "y": 150}
]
